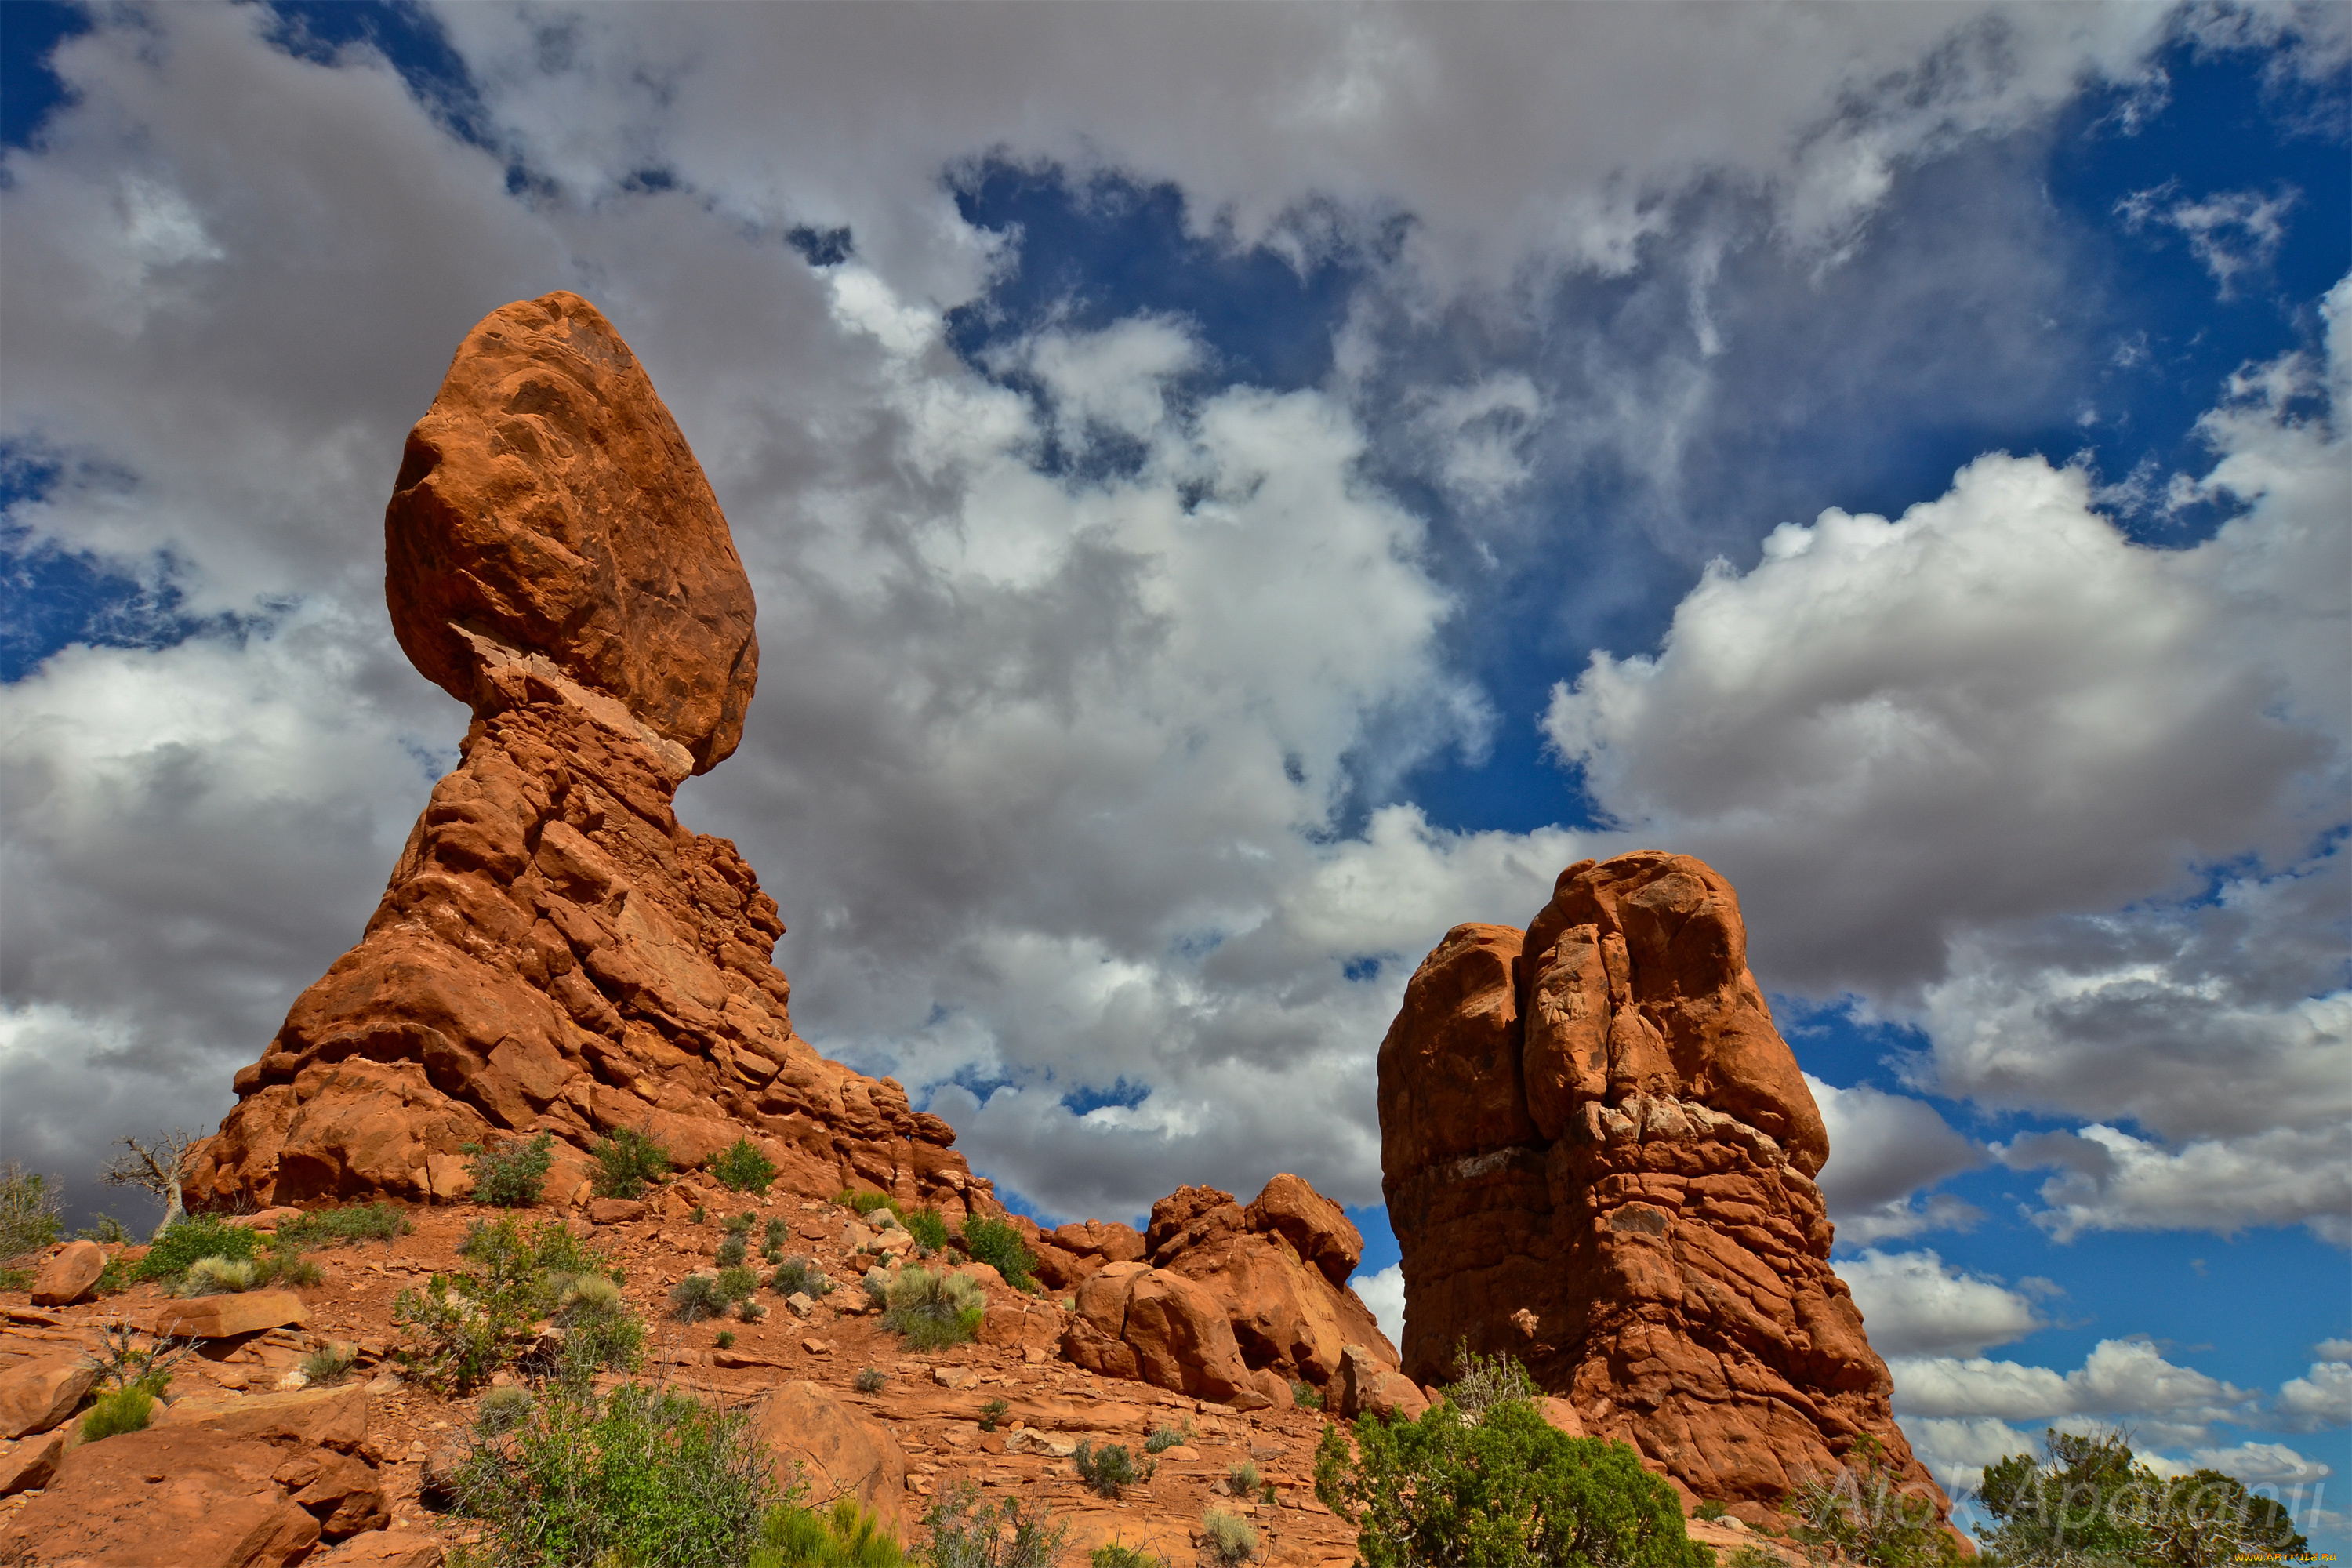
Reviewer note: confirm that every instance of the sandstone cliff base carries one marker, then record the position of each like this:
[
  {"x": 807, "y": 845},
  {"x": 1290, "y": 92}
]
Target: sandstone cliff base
[{"x": 1598, "y": 1155}]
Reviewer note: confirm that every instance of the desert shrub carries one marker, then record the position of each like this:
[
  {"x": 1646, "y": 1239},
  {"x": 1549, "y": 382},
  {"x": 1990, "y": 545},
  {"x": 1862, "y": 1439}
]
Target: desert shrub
[
  {"x": 118, "y": 1411},
  {"x": 737, "y": 1283},
  {"x": 1305, "y": 1394},
  {"x": 877, "y": 1286},
  {"x": 627, "y": 1162},
  {"x": 801, "y": 1276},
  {"x": 725, "y": 1339},
  {"x": 698, "y": 1216},
  {"x": 1712, "y": 1508},
  {"x": 1862, "y": 1515},
  {"x": 512, "y": 1173},
  {"x": 870, "y": 1380},
  {"x": 928, "y": 1228},
  {"x": 1228, "y": 1536},
  {"x": 2089, "y": 1500},
  {"x": 123, "y": 1363},
  {"x": 742, "y": 1168},
  {"x": 281, "y": 1265},
  {"x": 741, "y": 1223},
  {"x": 732, "y": 1251},
  {"x": 1009, "y": 1533},
  {"x": 503, "y": 1409},
  {"x": 1754, "y": 1557},
  {"x": 1508, "y": 1490},
  {"x": 638, "y": 1476},
  {"x": 993, "y": 1415},
  {"x": 464, "y": 1325},
  {"x": 1245, "y": 1481},
  {"x": 1163, "y": 1438},
  {"x": 867, "y": 1204},
  {"x": 777, "y": 1232},
  {"x": 843, "y": 1536},
  {"x": 28, "y": 1212},
  {"x": 1110, "y": 1469},
  {"x": 599, "y": 1330},
  {"x": 697, "y": 1297},
  {"x": 106, "y": 1230},
  {"x": 331, "y": 1363},
  {"x": 1481, "y": 1383},
  {"x": 360, "y": 1222},
  {"x": 934, "y": 1311},
  {"x": 218, "y": 1277},
  {"x": 193, "y": 1236},
  {"x": 998, "y": 1245},
  {"x": 114, "y": 1278},
  {"x": 1111, "y": 1554},
  {"x": 751, "y": 1311},
  {"x": 13, "y": 1278}
]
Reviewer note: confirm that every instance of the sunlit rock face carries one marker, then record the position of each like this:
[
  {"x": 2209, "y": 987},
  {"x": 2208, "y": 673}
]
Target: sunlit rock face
[
  {"x": 554, "y": 950},
  {"x": 1598, "y": 1155}
]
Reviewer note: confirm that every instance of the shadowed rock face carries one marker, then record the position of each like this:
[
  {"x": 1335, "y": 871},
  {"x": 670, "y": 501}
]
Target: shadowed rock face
[
  {"x": 555, "y": 953},
  {"x": 1597, "y": 1156}
]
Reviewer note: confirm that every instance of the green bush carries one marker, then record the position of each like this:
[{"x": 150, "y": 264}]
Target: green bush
[
  {"x": 867, "y": 1203},
  {"x": 843, "y": 1536},
  {"x": 1508, "y": 1490},
  {"x": 1305, "y": 1394},
  {"x": 108, "y": 1230},
  {"x": 2090, "y": 1500},
  {"x": 993, "y": 1415},
  {"x": 503, "y": 1409},
  {"x": 725, "y": 1340},
  {"x": 929, "y": 1229},
  {"x": 1009, "y": 1533},
  {"x": 330, "y": 1363},
  {"x": 749, "y": 1311},
  {"x": 732, "y": 1251},
  {"x": 512, "y": 1173},
  {"x": 1481, "y": 1383},
  {"x": 934, "y": 1311},
  {"x": 803, "y": 1276},
  {"x": 697, "y": 1297},
  {"x": 1228, "y": 1536},
  {"x": 1712, "y": 1508},
  {"x": 281, "y": 1265},
  {"x": 329, "y": 1227},
  {"x": 742, "y": 1168},
  {"x": 28, "y": 1212},
  {"x": 118, "y": 1411},
  {"x": 1113, "y": 1555},
  {"x": 741, "y": 1223},
  {"x": 737, "y": 1283},
  {"x": 599, "y": 1330},
  {"x": 1110, "y": 1469},
  {"x": 1863, "y": 1516},
  {"x": 193, "y": 1236},
  {"x": 870, "y": 1380},
  {"x": 777, "y": 1232},
  {"x": 1163, "y": 1438},
  {"x": 466, "y": 1325},
  {"x": 627, "y": 1162},
  {"x": 636, "y": 1477},
  {"x": 218, "y": 1277},
  {"x": 998, "y": 1245}
]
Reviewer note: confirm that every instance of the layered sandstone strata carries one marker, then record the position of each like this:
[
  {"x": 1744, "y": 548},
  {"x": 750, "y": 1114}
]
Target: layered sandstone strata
[
  {"x": 1598, "y": 1155},
  {"x": 555, "y": 952}
]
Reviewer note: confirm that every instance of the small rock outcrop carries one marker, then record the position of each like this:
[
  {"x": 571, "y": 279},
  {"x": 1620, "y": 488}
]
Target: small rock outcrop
[
  {"x": 1218, "y": 1299},
  {"x": 555, "y": 953},
  {"x": 1598, "y": 1155}
]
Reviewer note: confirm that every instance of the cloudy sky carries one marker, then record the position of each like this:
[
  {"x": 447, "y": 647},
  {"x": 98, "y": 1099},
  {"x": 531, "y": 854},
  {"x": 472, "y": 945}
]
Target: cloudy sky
[{"x": 1234, "y": 492}]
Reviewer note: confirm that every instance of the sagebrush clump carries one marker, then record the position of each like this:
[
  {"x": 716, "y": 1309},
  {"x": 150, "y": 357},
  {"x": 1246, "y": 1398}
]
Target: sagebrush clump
[
  {"x": 1110, "y": 1469},
  {"x": 742, "y": 1168},
  {"x": 1229, "y": 1538},
  {"x": 967, "y": 1533},
  {"x": 512, "y": 1171},
  {"x": 998, "y": 1245},
  {"x": 466, "y": 1325},
  {"x": 627, "y": 1162},
  {"x": 934, "y": 1309}
]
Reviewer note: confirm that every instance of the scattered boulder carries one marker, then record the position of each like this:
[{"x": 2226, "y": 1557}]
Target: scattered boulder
[
  {"x": 27, "y": 1466},
  {"x": 382, "y": 1548},
  {"x": 1366, "y": 1385},
  {"x": 35, "y": 1395},
  {"x": 1598, "y": 1155},
  {"x": 617, "y": 1211},
  {"x": 226, "y": 1316},
  {"x": 69, "y": 1276},
  {"x": 841, "y": 1452},
  {"x": 555, "y": 953},
  {"x": 1153, "y": 1326}
]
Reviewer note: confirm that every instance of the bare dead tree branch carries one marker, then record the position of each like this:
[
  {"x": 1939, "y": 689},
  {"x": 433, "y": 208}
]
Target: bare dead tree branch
[{"x": 157, "y": 1165}]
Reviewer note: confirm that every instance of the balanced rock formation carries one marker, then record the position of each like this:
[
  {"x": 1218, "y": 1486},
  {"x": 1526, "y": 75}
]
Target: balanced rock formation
[
  {"x": 1598, "y": 1155},
  {"x": 1221, "y": 1301},
  {"x": 555, "y": 953}
]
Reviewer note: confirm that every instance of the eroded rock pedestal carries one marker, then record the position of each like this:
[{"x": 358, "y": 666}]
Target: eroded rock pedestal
[
  {"x": 554, "y": 950},
  {"x": 1598, "y": 1155}
]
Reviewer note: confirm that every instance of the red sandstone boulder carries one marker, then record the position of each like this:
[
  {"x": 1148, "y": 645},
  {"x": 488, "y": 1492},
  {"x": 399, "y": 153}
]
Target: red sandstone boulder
[
  {"x": 1150, "y": 1326},
  {"x": 555, "y": 953},
  {"x": 841, "y": 1451},
  {"x": 225, "y": 1317},
  {"x": 547, "y": 503},
  {"x": 68, "y": 1276},
  {"x": 1366, "y": 1385},
  {"x": 1597, "y": 1156},
  {"x": 37, "y": 1395}
]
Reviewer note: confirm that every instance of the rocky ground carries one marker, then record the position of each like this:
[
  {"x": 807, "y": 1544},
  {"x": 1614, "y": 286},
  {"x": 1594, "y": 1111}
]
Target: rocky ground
[{"x": 166, "y": 1501}]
